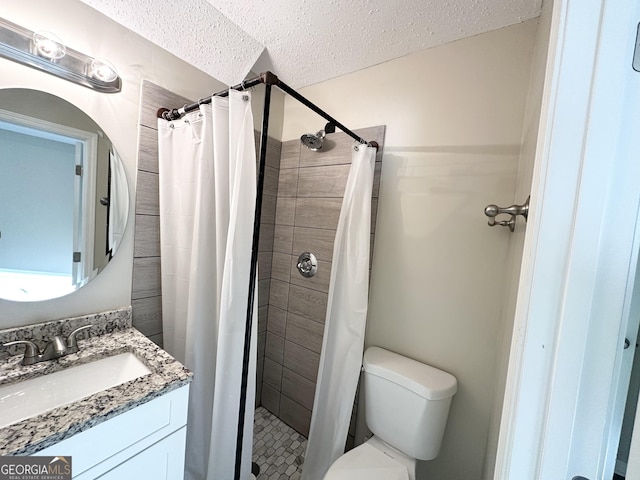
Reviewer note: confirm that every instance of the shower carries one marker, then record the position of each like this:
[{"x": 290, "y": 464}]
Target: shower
[
  {"x": 233, "y": 459},
  {"x": 313, "y": 141}
]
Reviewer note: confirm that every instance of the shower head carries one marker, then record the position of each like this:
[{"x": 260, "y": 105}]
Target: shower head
[{"x": 313, "y": 141}]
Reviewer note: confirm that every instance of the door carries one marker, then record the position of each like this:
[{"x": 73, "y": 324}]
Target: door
[{"x": 569, "y": 371}]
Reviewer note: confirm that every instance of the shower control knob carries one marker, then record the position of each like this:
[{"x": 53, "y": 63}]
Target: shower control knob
[{"x": 307, "y": 264}]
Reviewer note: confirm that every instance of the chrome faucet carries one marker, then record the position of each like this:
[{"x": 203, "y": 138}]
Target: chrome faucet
[{"x": 55, "y": 348}]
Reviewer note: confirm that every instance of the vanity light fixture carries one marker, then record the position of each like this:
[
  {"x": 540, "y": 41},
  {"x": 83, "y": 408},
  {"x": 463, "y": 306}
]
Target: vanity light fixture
[{"x": 46, "y": 52}]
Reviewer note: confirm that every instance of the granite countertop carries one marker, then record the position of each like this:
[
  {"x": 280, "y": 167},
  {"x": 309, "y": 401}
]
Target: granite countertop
[{"x": 36, "y": 433}]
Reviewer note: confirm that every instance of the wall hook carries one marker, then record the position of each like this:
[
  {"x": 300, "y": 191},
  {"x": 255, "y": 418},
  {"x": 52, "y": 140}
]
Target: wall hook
[{"x": 492, "y": 211}]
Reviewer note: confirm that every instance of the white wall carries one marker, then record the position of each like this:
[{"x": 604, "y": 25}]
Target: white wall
[
  {"x": 82, "y": 28},
  {"x": 454, "y": 117},
  {"x": 516, "y": 241}
]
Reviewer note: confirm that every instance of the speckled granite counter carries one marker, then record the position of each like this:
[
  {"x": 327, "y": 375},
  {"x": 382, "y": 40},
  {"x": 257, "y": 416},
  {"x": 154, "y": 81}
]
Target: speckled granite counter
[{"x": 114, "y": 335}]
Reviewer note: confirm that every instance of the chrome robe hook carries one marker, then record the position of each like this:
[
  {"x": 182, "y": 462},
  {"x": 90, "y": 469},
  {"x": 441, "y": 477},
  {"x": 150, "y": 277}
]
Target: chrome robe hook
[{"x": 492, "y": 211}]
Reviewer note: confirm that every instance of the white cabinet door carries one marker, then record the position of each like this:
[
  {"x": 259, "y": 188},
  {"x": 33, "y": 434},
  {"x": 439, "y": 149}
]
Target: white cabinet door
[{"x": 110, "y": 444}]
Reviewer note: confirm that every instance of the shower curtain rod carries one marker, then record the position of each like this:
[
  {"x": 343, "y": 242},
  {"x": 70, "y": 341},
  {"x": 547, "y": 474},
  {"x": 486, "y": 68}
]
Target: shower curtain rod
[{"x": 267, "y": 78}]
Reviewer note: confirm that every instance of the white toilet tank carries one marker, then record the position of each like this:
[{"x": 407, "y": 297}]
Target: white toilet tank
[{"x": 406, "y": 402}]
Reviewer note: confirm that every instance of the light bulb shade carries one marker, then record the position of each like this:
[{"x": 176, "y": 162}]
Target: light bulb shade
[
  {"x": 103, "y": 70},
  {"x": 48, "y": 45}
]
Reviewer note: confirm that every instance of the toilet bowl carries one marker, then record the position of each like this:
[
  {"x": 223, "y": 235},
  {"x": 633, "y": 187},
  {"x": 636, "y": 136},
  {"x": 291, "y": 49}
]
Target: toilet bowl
[
  {"x": 373, "y": 460},
  {"x": 406, "y": 407}
]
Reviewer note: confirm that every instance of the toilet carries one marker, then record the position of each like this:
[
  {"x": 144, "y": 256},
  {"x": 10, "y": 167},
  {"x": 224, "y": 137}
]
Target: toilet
[{"x": 406, "y": 409}]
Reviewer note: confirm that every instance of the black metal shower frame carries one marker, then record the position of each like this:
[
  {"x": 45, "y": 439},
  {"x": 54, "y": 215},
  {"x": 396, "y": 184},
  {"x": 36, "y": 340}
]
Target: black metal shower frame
[{"x": 269, "y": 79}]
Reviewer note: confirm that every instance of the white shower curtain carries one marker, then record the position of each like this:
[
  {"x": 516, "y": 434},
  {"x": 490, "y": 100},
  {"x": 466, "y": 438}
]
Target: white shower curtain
[
  {"x": 207, "y": 171},
  {"x": 343, "y": 340}
]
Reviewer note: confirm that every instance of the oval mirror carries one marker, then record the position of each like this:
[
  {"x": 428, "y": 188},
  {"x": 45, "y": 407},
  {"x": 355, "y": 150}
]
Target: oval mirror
[{"x": 63, "y": 197}]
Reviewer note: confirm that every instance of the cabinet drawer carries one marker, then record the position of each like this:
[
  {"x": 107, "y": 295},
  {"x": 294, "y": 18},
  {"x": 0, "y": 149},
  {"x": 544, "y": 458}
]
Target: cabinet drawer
[{"x": 161, "y": 461}]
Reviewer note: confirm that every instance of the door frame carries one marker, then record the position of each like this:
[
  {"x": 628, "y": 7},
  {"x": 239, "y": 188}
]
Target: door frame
[
  {"x": 567, "y": 363},
  {"x": 86, "y": 157}
]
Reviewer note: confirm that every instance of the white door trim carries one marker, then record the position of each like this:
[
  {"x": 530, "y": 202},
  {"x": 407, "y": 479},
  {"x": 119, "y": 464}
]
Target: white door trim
[{"x": 579, "y": 253}]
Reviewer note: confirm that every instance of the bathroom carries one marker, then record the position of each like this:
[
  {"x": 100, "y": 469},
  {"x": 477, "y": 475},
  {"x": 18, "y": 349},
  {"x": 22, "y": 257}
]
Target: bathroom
[{"x": 454, "y": 142}]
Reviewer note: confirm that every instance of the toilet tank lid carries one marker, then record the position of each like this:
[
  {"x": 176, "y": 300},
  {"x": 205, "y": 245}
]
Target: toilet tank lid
[{"x": 426, "y": 381}]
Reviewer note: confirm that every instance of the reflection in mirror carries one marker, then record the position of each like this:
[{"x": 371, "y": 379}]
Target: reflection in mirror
[{"x": 63, "y": 197}]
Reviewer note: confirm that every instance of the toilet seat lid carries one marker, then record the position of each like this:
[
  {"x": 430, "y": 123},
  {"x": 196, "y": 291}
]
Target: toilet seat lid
[{"x": 367, "y": 463}]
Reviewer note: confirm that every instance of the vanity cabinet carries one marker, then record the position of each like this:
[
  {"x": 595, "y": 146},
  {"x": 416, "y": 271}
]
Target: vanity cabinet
[{"x": 145, "y": 443}]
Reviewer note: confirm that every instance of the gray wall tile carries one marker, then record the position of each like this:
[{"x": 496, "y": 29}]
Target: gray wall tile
[
  {"x": 263, "y": 292},
  {"x": 283, "y": 238},
  {"x": 277, "y": 322},
  {"x": 157, "y": 339},
  {"x": 317, "y": 212},
  {"x": 298, "y": 388},
  {"x": 268, "y": 215},
  {"x": 304, "y": 332},
  {"x": 271, "y": 399},
  {"x": 265, "y": 242},
  {"x": 148, "y": 149},
  {"x": 262, "y": 343},
  {"x": 274, "y": 347},
  {"x": 147, "y": 237},
  {"x": 263, "y": 315},
  {"x": 316, "y": 240},
  {"x": 309, "y": 303},
  {"x": 147, "y": 194},
  {"x": 285, "y": 211},
  {"x": 264, "y": 265},
  {"x": 281, "y": 266},
  {"x": 290, "y": 156},
  {"x": 376, "y": 180},
  {"x": 147, "y": 315},
  {"x": 374, "y": 213},
  {"x": 270, "y": 180},
  {"x": 272, "y": 373},
  {"x": 295, "y": 415},
  {"x": 146, "y": 278},
  {"x": 301, "y": 360},
  {"x": 259, "y": 375},
  {"x": 258, "y": 401},
  {"x": 279, "y": 294},
  {"x": 326, "y": 181},
  {"x": 288, "y": 182},
  {"x": 274, "y": 151}
]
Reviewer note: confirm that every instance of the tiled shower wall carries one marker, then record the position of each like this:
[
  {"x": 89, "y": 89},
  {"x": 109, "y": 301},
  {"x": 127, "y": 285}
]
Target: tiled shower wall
[
  {"x": 310, "y": 191},
  {"x": 146, "y": 292}
]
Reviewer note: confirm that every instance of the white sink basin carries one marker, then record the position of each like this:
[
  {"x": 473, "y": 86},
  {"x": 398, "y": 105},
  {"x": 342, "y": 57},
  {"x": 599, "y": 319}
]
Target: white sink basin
[{"x": 32, "y": 397}]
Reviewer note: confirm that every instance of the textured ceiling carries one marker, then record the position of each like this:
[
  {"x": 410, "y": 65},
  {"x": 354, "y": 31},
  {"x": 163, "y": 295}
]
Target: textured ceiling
[{"x": 307, "y": 41}]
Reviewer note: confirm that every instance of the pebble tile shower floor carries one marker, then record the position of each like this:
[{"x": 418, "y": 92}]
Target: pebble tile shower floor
[{"x": 277, "y": 448}]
